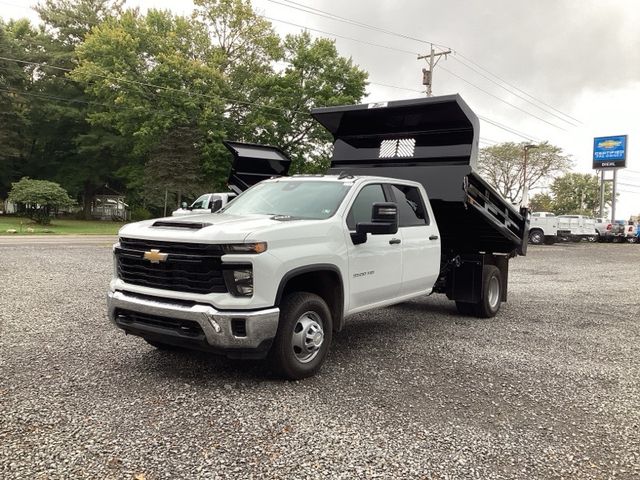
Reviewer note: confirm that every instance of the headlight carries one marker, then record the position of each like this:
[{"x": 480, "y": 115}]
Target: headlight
[
  {"x": 239, "y": 280},
  {"x": 257, "y": 247}
]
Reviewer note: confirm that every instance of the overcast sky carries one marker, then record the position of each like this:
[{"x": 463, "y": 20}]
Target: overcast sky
[{"x": 581, "y": 57}]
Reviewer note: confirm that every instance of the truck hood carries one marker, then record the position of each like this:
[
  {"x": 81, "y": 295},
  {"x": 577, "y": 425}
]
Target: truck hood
[{"x": 212, "y": 228}]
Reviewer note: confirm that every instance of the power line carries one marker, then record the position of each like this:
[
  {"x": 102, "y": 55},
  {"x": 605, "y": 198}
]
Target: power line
[
  {"x": 634, "y": 185},
  {"x": 322, "y": 13},
  {"x": 514, "y": 87},
  {"x": 45, "y": 65},
  {"x": 501, "y": 100},
  {"x": 332, "y": 16},
  {"x": 396, "y": 87},
  {"x": 408, "y": 52},
  {"x": 511, "y": 92},
  {"x": 510, "y": 130},
  {"x": 53, "y": 97},
  {"x": 160, "y": 87},
  {"x": 339, "y": 36},
  {"x": 16, "y": 5}
]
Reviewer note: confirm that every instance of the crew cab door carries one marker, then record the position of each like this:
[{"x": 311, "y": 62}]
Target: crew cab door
[
  {"x": 420, "y": 240},
  {"x": 375, "y": 266}
]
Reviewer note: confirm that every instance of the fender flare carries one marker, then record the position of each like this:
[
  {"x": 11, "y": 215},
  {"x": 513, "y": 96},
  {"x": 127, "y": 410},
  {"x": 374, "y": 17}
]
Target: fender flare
[{"x": 317, "y": 267}]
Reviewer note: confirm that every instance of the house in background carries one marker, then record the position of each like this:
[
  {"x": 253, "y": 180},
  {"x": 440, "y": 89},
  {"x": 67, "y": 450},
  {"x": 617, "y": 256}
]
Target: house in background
[{"x": 107, "y": 204}]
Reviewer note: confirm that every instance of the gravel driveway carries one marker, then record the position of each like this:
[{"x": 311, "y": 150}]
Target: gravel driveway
[{"x": 548, "y": 389}]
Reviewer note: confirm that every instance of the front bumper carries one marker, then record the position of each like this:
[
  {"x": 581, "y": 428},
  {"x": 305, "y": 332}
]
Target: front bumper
[{"x": 193, "y": 325}]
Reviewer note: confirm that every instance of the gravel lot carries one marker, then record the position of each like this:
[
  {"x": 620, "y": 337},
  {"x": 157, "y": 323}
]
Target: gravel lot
[{"x": 548, "y": 389}]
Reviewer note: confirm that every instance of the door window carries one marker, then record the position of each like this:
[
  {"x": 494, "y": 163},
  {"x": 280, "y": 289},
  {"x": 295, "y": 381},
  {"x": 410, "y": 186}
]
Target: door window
[
  {"x": 361, "y": 208},
  {"x": 411, "y": 209}
]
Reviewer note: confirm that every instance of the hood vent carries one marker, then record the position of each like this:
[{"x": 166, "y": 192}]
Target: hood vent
[{"x": 187, "y": 225}]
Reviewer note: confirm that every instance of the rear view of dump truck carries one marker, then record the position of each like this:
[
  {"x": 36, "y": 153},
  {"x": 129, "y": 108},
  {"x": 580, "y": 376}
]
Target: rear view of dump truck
[{"x": 275, "y": 274}]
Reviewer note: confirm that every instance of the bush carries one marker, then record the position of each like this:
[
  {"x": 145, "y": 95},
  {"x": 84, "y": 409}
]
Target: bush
[
  {"x": 140, "y": 213},
  {"x": 38, "y": 199}
]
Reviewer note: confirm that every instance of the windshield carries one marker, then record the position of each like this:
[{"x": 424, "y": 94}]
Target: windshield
[
  {"x": 311, "y": 200},
  {"x": 201, "y": 202}
]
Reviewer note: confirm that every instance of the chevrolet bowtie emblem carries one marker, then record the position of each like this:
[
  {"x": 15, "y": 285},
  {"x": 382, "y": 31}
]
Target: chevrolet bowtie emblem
[{"x": 155, "y": 256}]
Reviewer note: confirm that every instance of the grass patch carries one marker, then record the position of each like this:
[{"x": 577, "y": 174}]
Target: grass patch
[{"x": 25, "y": 226}]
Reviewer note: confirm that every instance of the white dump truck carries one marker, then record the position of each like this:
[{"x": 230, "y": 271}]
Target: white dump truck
[{"x": 275, "y": 274}]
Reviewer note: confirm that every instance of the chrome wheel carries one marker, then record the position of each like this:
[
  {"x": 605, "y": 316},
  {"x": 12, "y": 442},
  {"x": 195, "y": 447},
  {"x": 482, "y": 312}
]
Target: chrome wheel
[
  {"x": 493, "y": 292},
  {"x": 307, "y": 337}
]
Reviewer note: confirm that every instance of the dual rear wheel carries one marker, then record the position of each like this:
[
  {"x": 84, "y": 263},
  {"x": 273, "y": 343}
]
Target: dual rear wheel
[{"x": 491, "y": 299}]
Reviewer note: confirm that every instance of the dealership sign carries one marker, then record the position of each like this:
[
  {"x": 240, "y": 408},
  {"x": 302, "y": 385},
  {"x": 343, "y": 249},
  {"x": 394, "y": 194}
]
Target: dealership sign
[{"x": 610, "y": 152}]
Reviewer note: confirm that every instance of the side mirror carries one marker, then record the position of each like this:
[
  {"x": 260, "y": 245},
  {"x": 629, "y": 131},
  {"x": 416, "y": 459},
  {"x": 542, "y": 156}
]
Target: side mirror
[
  {"x": 384, "y": 221},
  {"x": 184, "y": 205}
]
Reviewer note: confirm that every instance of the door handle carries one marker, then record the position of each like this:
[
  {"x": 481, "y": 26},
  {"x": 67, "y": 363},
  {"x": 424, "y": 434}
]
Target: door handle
[
  {"x": 394, "y": 241},
  {"x": 433, "y": 237}
]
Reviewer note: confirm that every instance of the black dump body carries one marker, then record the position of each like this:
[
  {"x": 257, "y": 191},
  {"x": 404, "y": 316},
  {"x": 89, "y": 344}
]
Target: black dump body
[
  {"x": 433, "y": 141},
  {"x": 253, "y": 163}
]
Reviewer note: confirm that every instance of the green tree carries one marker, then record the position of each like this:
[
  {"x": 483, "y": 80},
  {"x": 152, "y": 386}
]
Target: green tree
[
  {"x": 152, "y": 75},
  {"x": 175, "y": 166},
  {"x": 541, "y": 202},
  {"x": 315, "y": 75},
  {"x": 69, "y": 21},
  {"x": 39, "y": 198},
  {"x": 14, "y": 108},
  {"x": 502, "y": 165},
  {"x": 579, "y": 194},
  {"x": 58, "y": 105},
  {"x": 221, "y": 83}
]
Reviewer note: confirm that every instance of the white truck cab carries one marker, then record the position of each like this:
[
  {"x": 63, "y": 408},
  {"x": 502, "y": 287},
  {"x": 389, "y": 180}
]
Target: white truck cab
[
  {"x": 207, "y": 203},
  {"x": 276, "y": 272}
]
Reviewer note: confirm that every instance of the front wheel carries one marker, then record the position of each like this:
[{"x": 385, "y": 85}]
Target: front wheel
[{"x": 304, "y": 336}]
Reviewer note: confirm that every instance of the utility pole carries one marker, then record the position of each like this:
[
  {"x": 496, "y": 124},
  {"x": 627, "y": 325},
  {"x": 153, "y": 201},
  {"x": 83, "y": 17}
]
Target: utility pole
[
  {"x": 602, "y": 193},
  {"x": 427, "y": 74},
  {"x": 613, "y": 196},
  {"x": 525, "y": 188}
]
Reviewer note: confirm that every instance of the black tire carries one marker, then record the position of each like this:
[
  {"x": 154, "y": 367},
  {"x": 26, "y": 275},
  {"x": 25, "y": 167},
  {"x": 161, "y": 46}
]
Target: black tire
[
  {"x": 300, "y": 314},
  {"x": 161, "y": 346},
  {"x": 465, "y": 308},
  {"x": 490, "y": 304},
  {"x": 536, "y": 237}
]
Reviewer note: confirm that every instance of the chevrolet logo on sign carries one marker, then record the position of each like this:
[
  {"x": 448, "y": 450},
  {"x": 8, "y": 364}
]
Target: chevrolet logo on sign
[
  {"x": 609, "y": 144},
  {"x": 155, "y": 256}
]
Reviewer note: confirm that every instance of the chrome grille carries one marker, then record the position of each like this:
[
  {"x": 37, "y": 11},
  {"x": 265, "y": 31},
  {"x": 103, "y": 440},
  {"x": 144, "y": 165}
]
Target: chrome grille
[{"x": 189, "y": 267}]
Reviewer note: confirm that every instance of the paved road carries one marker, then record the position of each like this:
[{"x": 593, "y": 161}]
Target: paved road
[{"x": 548, "y": 389}]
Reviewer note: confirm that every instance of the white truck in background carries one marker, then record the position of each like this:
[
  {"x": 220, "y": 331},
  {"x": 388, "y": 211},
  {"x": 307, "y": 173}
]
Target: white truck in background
[
  {"x": 543, "y": 228},
  {"x": 275, "y": 273},
  {"x": 577, "y": 228},
  {"x": 207, "y": 203}
]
